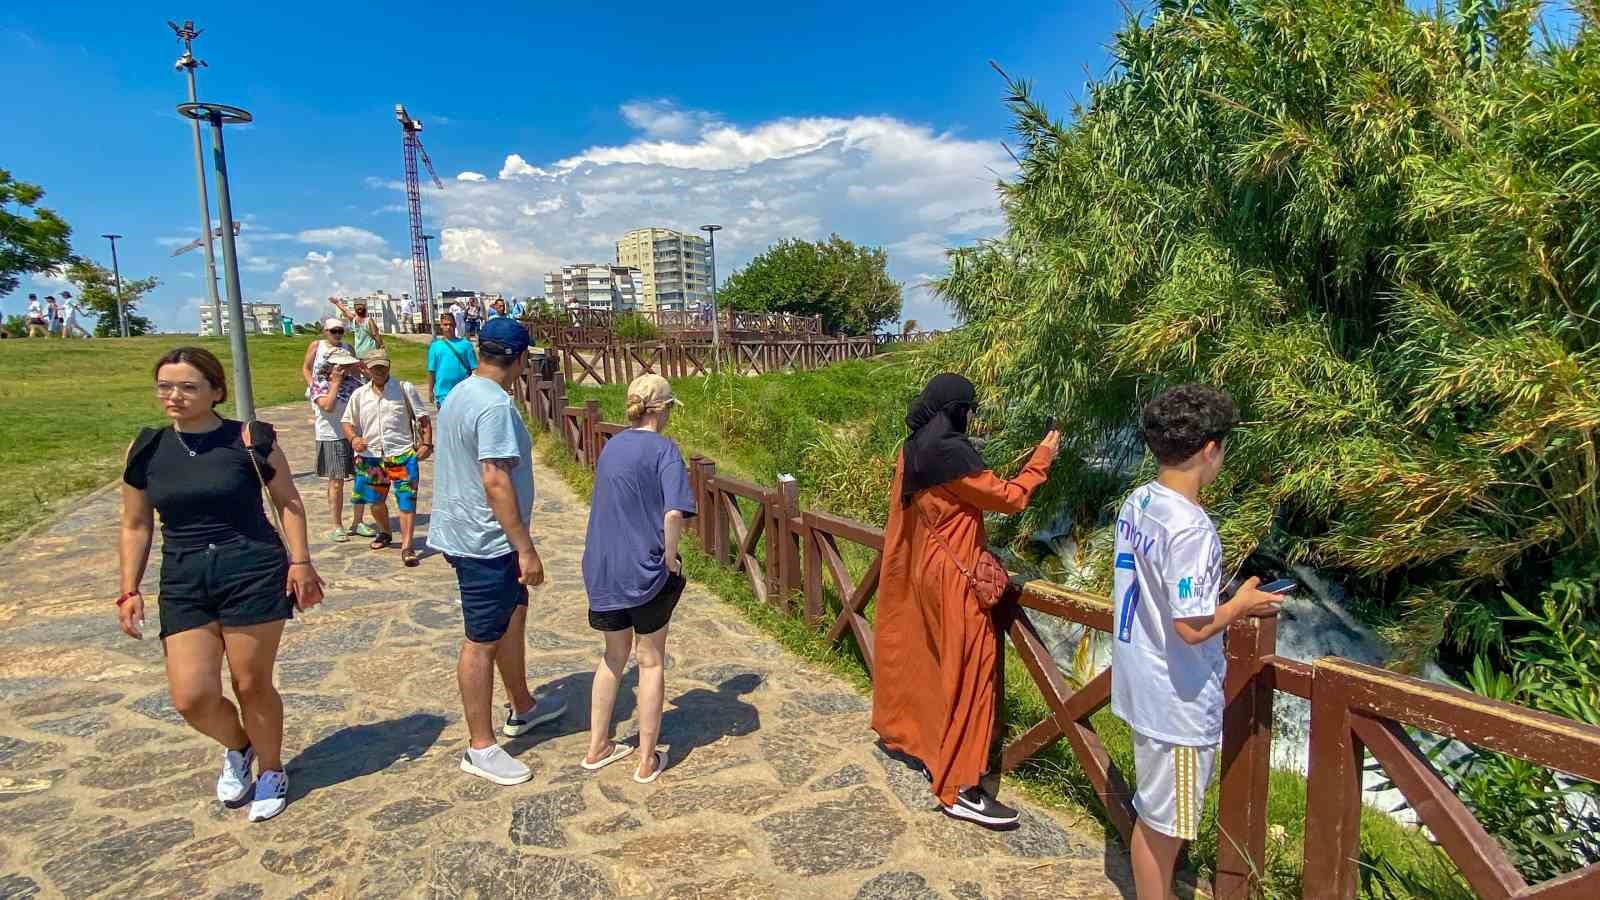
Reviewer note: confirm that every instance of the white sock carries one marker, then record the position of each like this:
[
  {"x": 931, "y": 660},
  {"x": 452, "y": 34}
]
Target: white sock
[{"x": 480, "y": 756}]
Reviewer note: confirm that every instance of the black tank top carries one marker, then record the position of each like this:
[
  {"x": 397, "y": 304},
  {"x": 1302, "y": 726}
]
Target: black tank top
[{"x": 208, "y": 498}]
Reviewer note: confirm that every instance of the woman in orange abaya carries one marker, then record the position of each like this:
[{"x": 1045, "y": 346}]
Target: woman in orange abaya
[{"x": 934, "y": 653}]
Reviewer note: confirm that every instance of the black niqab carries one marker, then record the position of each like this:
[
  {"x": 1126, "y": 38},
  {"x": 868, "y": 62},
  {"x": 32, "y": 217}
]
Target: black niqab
[{"x": 938, "y": 451}]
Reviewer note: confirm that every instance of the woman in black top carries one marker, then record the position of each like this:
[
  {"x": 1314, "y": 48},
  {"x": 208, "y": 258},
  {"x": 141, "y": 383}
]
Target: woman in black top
[{"x": 227, "y": 583}]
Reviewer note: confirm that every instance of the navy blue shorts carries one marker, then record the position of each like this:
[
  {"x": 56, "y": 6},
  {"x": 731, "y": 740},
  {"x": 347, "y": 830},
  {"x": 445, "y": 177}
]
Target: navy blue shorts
[{"x": 490, "y": 592}]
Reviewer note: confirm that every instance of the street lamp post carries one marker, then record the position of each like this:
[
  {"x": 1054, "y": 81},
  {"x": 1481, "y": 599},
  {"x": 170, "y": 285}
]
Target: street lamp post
[
  {"x": 116, "y": 271},
  {"x": 218, "y": 115},
  {"x": 427, "y": 273},
  {"x": 716, "y": 330},
  {"x": 187, "y": 33}
]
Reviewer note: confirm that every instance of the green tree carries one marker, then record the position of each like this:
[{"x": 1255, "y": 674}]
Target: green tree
[
  {"x": 32, "y": 238},
  {"x": 97, "y": 288},
  {"x": 844, "y": 282}
]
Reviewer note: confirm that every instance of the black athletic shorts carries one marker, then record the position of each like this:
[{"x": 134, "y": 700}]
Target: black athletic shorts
[
  {"x": 646, "y": 619},
  {"x": 238, "y": 582}
]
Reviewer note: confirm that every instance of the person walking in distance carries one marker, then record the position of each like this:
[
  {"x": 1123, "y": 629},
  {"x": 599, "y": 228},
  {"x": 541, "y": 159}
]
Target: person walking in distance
[
  {"x": 388, "y": 427},
  {"x": 71, "y": 309},
  {"x": 1166, "y": 653},
  {"x": 459, "y": 313},
  {"x": 482, "y": 501},
  {"x": 335, "y": 382},
  {"x": 450, "y": 360},
  {"x": 363, "y": 330},
  {"x": 631, "y": 569},
  {"x": 935, "y": 627},
  {"x": 38, "y": 325},
  {"x": 228, "y": 580},
  {"x": 52, "y": 315}
]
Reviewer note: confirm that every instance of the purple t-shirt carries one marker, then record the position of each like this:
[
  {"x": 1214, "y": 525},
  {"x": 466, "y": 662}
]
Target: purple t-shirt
[{"x": 639, "y": 477}]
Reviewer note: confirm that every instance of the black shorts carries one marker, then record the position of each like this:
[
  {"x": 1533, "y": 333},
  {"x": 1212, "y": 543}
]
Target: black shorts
[
  {"x": 491, "y": 591},
  {"x": 237, "y": 583},
  {"x": 646, "y": 619}
]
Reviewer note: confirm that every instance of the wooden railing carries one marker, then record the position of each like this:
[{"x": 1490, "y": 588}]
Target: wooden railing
[
  {"x": 614, "y": 363},
  {"x": 789, "y": 553},
  {"x": 591, "y": 326}
]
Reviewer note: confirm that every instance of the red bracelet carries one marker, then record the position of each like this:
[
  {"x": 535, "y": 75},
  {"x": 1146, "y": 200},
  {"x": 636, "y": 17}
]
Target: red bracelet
[{"x": 124, "y": 598}]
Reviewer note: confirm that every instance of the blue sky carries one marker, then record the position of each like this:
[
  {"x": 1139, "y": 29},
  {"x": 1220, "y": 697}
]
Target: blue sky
[{"x": 554, "y": 131}]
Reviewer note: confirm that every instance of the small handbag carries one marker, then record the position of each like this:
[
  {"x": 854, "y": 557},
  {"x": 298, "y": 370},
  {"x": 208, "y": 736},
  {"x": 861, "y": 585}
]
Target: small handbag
[{"x": 989, "y": 579}]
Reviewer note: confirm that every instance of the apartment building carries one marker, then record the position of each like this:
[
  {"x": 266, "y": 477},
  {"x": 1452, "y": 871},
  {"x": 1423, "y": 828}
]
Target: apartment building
[
  {"x": 259, "y": 318},
  {"x": 593, "y": 286},
  {"x": 674, "y": 267}
]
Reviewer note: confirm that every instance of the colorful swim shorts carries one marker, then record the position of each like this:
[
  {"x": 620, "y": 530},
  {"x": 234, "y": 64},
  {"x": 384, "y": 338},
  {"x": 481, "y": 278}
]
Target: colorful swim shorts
[{"x": 375, "y": 475}]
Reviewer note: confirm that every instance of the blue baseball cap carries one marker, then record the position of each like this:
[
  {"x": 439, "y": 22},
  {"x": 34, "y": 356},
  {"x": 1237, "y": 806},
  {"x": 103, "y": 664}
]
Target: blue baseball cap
[{"x": 508, "y": 333}]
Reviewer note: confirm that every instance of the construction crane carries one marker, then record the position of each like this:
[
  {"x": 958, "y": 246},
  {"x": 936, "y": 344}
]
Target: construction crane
[{"x": 411, "y": 129}]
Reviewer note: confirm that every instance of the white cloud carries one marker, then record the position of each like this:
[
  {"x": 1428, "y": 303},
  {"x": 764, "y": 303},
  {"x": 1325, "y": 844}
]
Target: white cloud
[
  {"x": 346, "y": 237},
  {"x": 876, "y": 180},
  {"x": 472, "y": 176},
  {"x": 664, "y": 119}
]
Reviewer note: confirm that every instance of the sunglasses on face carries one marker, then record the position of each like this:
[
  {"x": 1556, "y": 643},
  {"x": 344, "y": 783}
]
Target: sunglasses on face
[{"x": 336, "y": 331}]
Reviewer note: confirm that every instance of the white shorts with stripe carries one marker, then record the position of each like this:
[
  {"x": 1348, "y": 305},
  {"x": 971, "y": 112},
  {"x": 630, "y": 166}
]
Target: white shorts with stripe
[{"x": 1172, "y": 781}]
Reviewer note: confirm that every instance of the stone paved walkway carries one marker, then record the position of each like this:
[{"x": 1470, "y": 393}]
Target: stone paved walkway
[{"x": 774, "y": 787}]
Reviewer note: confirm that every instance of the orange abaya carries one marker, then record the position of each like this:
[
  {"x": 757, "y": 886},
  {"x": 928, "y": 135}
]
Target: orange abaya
[{"x": 934, "y": 650}]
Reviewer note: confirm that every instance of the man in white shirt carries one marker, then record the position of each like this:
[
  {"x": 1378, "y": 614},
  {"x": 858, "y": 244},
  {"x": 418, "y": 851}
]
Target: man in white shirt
[
  {"x": 36, "y": 320},
  {"x": 459, "y": 313},
  {"x": 1166, "y": 648},
  {"x": 389, "y": 430}
]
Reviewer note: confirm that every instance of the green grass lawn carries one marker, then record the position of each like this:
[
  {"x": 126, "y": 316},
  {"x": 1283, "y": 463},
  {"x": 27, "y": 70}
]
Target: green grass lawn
[
  {"x": 757, "y": 427},
  {"x": 69, "y": 408}
]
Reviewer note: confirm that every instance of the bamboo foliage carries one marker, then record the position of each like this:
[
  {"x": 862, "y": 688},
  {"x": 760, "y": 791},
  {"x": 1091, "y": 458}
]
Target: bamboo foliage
[{"x": 1376, "y": 227}]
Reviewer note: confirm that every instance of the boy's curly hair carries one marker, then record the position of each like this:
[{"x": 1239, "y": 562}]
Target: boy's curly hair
[{"x": 1179, "y": 421}]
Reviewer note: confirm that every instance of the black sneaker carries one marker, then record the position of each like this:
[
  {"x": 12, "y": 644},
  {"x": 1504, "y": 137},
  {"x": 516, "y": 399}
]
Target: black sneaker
[{"x": 974, "y": 805}]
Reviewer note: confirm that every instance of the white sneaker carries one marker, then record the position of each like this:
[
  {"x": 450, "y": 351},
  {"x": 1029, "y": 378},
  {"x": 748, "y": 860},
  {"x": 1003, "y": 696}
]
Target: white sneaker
[
  {"x": 544, "y": 710},
  {"x": 233, "y": 784},
  {"x": 272, "y": 795},
  {"x": 496, "y": 765}
]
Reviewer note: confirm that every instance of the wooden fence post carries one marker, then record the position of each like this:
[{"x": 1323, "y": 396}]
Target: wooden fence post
[
  {"x": 708, "y": 508},
  {"x": 558, "y": 402},
  {"x": 1333, "y": 792},
  {"x": 784, "y": 545},
  {"x": 591, "y": 438},
  {"x": 566, "y": 364},
  {"x": 1246, "y": 760},
  {"x": 815, "y": 609}
]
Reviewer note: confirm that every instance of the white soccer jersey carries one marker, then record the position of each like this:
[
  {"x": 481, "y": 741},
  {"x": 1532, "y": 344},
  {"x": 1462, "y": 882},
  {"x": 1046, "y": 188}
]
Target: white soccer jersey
[{"x": 1168, "y": 566}]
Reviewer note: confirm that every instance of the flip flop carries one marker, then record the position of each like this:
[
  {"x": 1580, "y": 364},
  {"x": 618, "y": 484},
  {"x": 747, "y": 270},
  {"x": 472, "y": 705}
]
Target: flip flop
[
  {"x": 618, "y": 751},
  {"x": 338, "y": 535},
  {"x": 661, "y": 763},
  {"x": 382, "y": 540},
  {"x": 410, "y": 557}
]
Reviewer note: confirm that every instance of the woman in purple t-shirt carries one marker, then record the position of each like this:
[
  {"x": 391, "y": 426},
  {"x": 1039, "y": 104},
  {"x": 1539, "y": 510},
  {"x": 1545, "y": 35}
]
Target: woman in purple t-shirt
[{"x": 631, "y": 569}]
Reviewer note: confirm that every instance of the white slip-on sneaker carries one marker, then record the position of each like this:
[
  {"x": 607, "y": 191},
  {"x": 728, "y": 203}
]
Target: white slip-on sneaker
[
  {"x": 545, "y": 709},
  {"x": 272, "y": 795},
  {"x": 495, "y": 765},
  {"x": 233, "y": 784}
]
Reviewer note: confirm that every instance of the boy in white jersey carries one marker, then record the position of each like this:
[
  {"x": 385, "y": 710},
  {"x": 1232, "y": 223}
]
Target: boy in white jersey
[{"x": 1166, "y": 659}]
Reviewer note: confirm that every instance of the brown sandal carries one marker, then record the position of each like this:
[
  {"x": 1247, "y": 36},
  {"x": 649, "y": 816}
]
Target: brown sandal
[
  {"x": 410, "y": 557},
  {"x": 383, "y": 540}
]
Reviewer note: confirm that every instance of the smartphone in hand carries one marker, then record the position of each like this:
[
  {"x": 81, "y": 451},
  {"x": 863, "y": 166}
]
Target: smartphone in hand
[
  {"x": 1049, "y": 424},
  {"x": 1281, "y": 586}
]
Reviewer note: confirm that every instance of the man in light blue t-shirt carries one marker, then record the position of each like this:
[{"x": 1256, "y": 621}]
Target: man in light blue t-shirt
[
  {"x": 450, "y": 360},
  {"x": 482, "y": 500}
]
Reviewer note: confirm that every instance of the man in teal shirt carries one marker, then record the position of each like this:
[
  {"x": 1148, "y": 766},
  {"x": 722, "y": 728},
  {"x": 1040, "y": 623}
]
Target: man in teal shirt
[{"x": 450, "y": 359}]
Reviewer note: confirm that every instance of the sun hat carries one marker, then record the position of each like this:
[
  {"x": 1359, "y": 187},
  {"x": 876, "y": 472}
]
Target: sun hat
[
  {"x": 332, "y": 323},
  {"x": 379, "y": 357},
  {"x": 341, "y": 357},
  {"x": 653, "y": 391}
]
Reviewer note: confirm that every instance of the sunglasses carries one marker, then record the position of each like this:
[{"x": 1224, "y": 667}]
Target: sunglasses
[{"x": 336, "y": 331}]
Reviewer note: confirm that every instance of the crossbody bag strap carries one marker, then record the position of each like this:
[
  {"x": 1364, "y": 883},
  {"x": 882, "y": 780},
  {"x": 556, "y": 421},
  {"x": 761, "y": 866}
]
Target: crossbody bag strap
[
  {"x": 939, "y": 539},
  {"x": 411, "y": 416},
  {"x": 457, "y": 354},
  {"x": 247, "y": 436}
]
